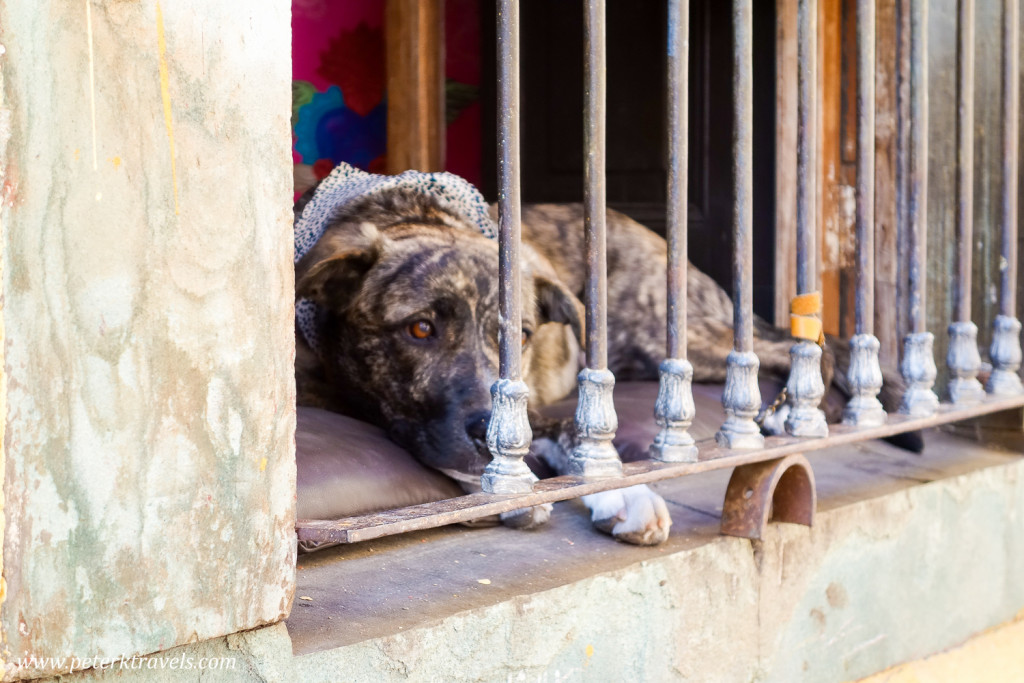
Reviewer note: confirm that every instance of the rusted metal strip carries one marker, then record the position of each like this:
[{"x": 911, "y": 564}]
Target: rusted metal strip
[
  {"x": 674, "y": 410},
  {"x": 918, "y": 365},
  {"x": 865, "y": 373},
  {"x": 781, "y": 489},
  {"x": 805, "y": 387},
  {"x": 1005, "y": 350},
  {"x": 712, "y": 457},
  {"x": 742, "y": 397},
  {"x": 508, "y": 431},
  {"x": 596, "y": 422},
  {"x": 962, "y": 357}
]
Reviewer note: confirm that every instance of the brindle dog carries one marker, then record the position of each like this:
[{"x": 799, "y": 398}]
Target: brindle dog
[{"x": 408, "y": 331}]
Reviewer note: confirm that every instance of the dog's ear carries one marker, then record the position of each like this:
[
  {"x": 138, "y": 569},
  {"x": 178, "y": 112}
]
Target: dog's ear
[
  {"x": 555, "y": 303},
  {"x": 334, "y": 268}
]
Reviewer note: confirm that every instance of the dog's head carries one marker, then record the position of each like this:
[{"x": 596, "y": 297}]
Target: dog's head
[{"x": 407, "y": 326}]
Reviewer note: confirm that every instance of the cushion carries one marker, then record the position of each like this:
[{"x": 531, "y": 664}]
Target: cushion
[{"x": 346, "y": 467}]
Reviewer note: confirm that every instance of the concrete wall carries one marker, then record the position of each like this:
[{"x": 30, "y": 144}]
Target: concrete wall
[
  {"x": 892, "y": 571},
  {"x": 147, "y": 304}
]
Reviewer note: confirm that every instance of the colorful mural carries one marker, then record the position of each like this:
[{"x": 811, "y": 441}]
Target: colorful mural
[{"x": 339, "y": 108}]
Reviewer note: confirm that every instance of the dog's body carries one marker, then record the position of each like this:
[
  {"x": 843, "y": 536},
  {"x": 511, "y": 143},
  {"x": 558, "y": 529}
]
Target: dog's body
[{"x": 408, "y": 299}]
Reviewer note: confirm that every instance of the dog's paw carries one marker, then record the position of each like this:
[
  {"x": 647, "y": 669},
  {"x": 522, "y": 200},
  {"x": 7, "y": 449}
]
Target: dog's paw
[
  {"x": 634, "y": 515},
  {"x": 528, "y": 518},
  {"x": 774, "y": 423}
]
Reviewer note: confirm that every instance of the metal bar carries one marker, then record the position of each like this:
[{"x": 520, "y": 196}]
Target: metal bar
[
  {"x": 865, "y": 373},
  {"x": 965, "y": 157},
  {"x": 806, "y": 145},
  {"x": 782, "y": 490},
  {"x": 1005, "y": 350},
  {"x": 674, "y": 410},
  {"x": 678, "y": 158},
  {"x": 1011, "y": 88},
  {"x": 594, "y": 194},
  {"x": 508, "y": 431},
  {"x": 474, "y": 506},
  {"x": 742, "y": 397},
  {"x": 918, "y": 366},
  {"x": 596, "y": 422},
  {"x": 917, "y": 207},
  {"x": 805, "y": 387},
  {"x": 962, "y": 357},
  {"x": 864, "y": 306}
]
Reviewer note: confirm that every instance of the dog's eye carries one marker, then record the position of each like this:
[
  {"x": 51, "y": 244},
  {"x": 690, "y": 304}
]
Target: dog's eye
[
  {"x": 421, "y": 329},
  {"x": 526, "y": 337}
]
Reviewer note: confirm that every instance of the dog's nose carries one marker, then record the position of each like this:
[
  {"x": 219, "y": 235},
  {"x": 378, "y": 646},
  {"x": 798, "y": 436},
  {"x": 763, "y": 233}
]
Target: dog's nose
[{"x": 476, "y": 425}]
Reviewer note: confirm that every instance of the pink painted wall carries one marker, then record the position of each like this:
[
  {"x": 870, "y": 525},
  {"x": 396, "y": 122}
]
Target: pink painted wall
[{"x": 340, "y": 104}]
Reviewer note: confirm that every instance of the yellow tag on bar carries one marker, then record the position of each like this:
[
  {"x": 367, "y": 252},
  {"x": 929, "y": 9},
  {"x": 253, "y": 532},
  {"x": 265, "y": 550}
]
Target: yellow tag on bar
[
  {"x": 805, "y": 327},
  {"x": 805, "y": 318},
  {"x": 806, "y": 304}
]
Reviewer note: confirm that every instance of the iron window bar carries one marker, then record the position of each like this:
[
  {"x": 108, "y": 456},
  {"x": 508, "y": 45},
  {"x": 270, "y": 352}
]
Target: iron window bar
[{"x": 507, "y": 483}]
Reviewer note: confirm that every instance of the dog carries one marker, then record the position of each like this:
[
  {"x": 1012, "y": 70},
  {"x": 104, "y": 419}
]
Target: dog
[{"x": 406, "y": 293}]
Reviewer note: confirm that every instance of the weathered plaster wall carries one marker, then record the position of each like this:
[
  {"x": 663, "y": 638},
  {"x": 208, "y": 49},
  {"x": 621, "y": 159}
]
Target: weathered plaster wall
[
  {"x": 149, "y": 473},
  {"x": 881, "y": 578}
]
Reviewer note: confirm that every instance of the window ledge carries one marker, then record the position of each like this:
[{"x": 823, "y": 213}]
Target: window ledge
[{"x": 909, "y": 555}]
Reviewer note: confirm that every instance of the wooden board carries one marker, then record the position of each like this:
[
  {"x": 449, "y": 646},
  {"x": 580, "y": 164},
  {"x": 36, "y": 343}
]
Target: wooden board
[
  {"x": 712, "y": 457},
  {"x": 414, "y": 34}
]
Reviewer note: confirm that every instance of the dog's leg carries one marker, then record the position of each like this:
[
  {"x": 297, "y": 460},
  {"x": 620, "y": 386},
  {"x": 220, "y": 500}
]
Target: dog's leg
[{"x": 634, "y": 515}]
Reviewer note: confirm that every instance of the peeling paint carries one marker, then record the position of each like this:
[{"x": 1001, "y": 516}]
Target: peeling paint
[{"x": 165, "y": 94}]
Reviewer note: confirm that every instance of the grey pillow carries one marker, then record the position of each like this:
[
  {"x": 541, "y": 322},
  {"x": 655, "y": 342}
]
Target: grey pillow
[{"x": 345, "y": 467}]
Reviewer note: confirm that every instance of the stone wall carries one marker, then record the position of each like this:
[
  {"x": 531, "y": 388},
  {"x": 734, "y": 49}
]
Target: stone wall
[{"x": 147, "y": 303}]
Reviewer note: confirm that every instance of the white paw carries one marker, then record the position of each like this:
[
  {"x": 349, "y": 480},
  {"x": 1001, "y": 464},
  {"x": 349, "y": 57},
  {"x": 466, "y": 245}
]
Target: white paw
[
  {"x": 775, "y": 424},
  {"x": 635, "y": 515},
  {"x": 528, "y": 518}
]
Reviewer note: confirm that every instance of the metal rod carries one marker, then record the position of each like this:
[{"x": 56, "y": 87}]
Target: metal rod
[
  {"x": 865, "y": 297},
  {"x": 918, "y": 197},
  {"x": 965, "y": 158},
  {"x": 962, "y": 357},
  {"x": 594, "y": 200},
  {"x": 674, "y": 410},
  {"x": 1008, "y": 228},
  {"x": 678, "y": 159},
  {"x": 510, "y": 286},
  {"x": 742, "y": 397},
  {"x": 1005, "y": 350},
  {"x": 865, "y": 373},
  {"x": 918, "y": 366},
  {"x": 807, "y": 144},
  {"x": 508, "y": 431},
  {"x": 805, "y": 387},
  {"x": 596, "y": 422}
]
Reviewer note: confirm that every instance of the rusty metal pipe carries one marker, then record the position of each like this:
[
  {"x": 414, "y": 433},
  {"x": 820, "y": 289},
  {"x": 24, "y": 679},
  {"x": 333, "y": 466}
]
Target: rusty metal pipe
[
  {"x": 674, "y": 410},
  {"x": 962, "y": 357},
  {"x": 805, "y": 387},
  {"x": 596, "y": 422},
  {"x": 510, "y": 285},
  {"x": 594, "y": 192},
  {"x": 865, "y": 373},
  {"x": 1011, "y": 116},
  {"x": 742, "y": 397},
  {"x": 918, "y": 365},
  {"x": 508, "y": 431}
]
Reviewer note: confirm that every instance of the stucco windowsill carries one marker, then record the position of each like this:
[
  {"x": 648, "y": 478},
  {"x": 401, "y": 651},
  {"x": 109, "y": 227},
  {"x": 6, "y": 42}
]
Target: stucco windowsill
[{"x": 422, "y": 585}]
